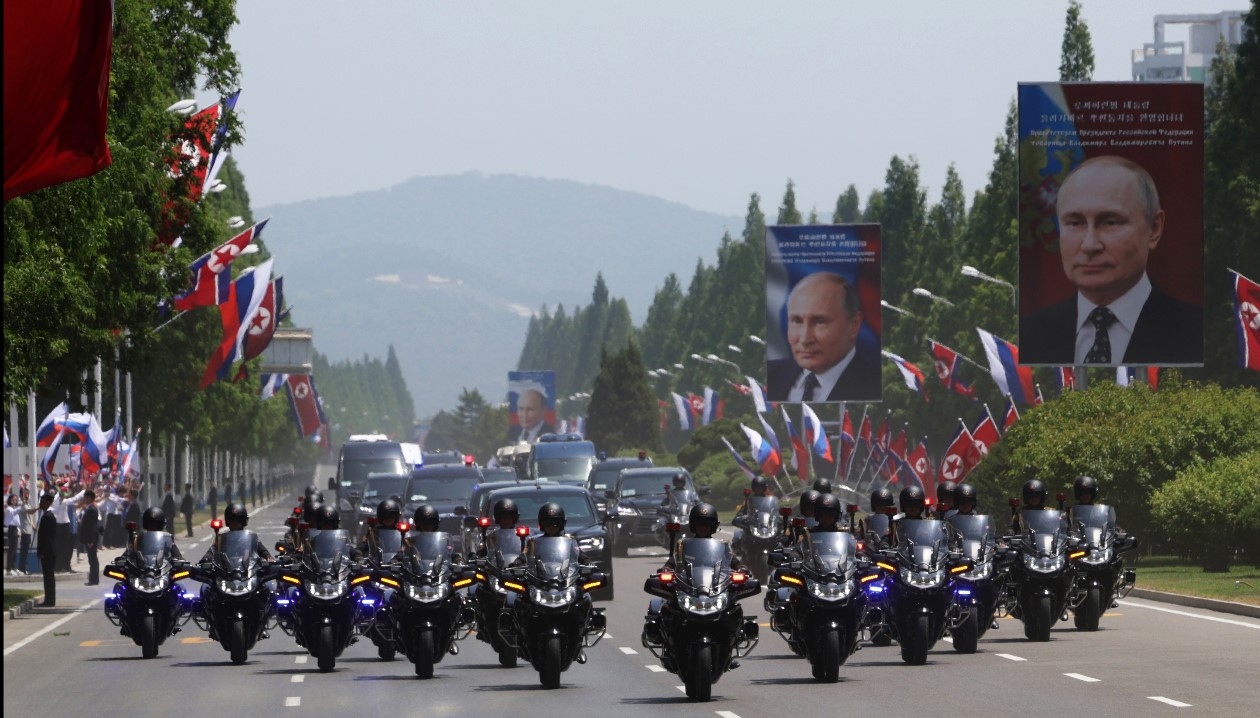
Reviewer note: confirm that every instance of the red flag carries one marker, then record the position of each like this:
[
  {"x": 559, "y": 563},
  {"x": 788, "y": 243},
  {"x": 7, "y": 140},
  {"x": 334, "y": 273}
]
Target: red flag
[
  {"x": 954, "y": 465},
  {"x": 1152, "y": 377},
  {"x": 919, "y": 464},
  {"x": 1039, "y": 399},
  {"x": 262, "y": 324},
  {"x": 200, "y": 129},
  {"x": 661, "y": 406},
  {"x": 304, "y": 401},
  {"x": 56, "y": 92},
  {"x": 211, "y": 275},
  {"x": 986, "y": 433},
  {"x": 898, "y": 445},
  {"x": 1246, "y": 317},
  {"x": 1012, "y": 415},
  {"x": 884, "y": 435},
  {"x": 948, "y": 362},
  {"x": 848, "y": 442},
  {"x": 1065, "y": 377},
  {"x": 864, "y": 433}
]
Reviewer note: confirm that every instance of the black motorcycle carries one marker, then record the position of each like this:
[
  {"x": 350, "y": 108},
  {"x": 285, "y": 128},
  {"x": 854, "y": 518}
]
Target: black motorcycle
[
  {"x": 822, "y": 605},
  {"x": 675, "y": 511},
  {"x": 147, "y": 605},
  {"x": 424, "y": 607},
  {"x": 549, "y": 616},
  {"x": 384, "y": 545},
  {"x": 1100, "y": 573},
  {"x": 916, "y": 610},
  {"x": 489, "y": 595},
  {"x": 236, "y": 602},
  {"x": 320, "y": 609},
  {"x": 976, "y": 590},
  {"x": 761, "y": 531},
  {"x": 1041, "y": 576},
  {"x": 696, "y": 626}
]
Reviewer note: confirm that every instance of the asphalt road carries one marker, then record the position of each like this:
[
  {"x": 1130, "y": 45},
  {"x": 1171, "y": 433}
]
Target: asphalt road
[{"x": 1148, "y": 660}]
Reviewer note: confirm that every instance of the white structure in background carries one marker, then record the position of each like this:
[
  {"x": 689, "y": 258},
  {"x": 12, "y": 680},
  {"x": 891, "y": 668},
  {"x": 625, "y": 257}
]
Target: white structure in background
[{"x": 1162, "y": 61}]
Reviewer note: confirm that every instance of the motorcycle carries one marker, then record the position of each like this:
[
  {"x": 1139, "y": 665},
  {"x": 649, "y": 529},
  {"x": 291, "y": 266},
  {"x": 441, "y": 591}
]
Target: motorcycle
[
  {"x": 386, "y": 544},
  {"x": 977, "y": 590},
  {"x": 1041, "y": 576},
  {"x": 489, "y": 594},
  {"x": 675, "y": 511},
  {"x": 821, "y": 607},
  {"x": 695, "y": 626},
  {"x": 1099, "y": 566},
  {"x": 424, "y": 610},
  {"x": 761, "y": 532},
  {"x": 236, "y": 602},
  {"x": 873, "y": 544},
  {"x": 147, "y": 605},
  {"x": 916, "y": 610},
  {"x": 319, "y": 608},
  {"x": 548, "y": 615}
]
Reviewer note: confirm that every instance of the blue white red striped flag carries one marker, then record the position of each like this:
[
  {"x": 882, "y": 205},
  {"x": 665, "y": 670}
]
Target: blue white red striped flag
[{"x": 1014, "y": 380}]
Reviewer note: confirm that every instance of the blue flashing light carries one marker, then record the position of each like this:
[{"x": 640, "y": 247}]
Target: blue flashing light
[
  {"x": 964, "y": 592},
  {"x": 876, "y": 589}
]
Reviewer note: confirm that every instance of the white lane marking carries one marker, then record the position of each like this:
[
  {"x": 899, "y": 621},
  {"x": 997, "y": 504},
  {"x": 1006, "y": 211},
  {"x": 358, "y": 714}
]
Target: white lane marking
[
  {"x": 293, "y": 702},
  {"x": 627, "y": 650},
  {"x": 52, "y": 626},
  {"x": 1169, "y": 701},
  {"x": 1194, "y": 615},
  {"x": 1009, "y": 657},
  {"x": 300, "y": 659},
  {"x": 297, "y": 679},
  {"x": 728, "y": 714},
  {"x": 1080, "y": 677},
  {"x": 682, "y": 688},
  {"x": 608, "y": 636},
  {"x": 655, "y": 668},
  {"x": 947, "y": 639}
]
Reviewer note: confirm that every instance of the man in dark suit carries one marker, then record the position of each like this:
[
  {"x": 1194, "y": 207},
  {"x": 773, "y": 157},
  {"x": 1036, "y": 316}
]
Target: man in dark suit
[
  {"x": 1109, "y": 222},
  {"x": 168, "y": 503},
  {"x": 827, "y": 364},
  {"x": 46, "y": 538},
  {"x": 186, "y": 508},
  {"x": 531, "y": 411},
  {"x": 212, "y": 498},
  {"x": 90, "y": 535}
]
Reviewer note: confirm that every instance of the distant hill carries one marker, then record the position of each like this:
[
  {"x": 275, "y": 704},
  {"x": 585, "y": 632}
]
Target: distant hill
[{"x": 448, "y": 269}]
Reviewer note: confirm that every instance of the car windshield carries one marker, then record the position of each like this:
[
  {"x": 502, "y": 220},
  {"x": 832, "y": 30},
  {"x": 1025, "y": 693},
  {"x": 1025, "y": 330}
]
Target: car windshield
[
  {"x": 569, "y": 469},
  {"x": 384, "y": 487},
  {"x": 604, "y": 477},
  {"x": 577, "y": 507},
  {"x": 646, "y": 485},
  {"x": 441, "y": 488},
  {"x": 354, "y": 472}
]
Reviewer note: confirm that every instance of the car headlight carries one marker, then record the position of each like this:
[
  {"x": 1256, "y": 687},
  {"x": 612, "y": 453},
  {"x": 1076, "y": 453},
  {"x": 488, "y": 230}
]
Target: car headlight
[
  {"x": 150, "y": 584},
  {"x": 1049, "y": 564},
  {"x": 427, "y": 594},
  {"x": 702, "y": 604},
  {"x": 1098, "y": 556},
  {"x": 367, "y": 510},
  {"x": 237, "y": 588},
  {"x": 628, "y": 511},
  {"x": 327, "y": 591},
  {"x": 591, "y": 543},
  {"x": 923, "y": 579},
  {"x": 552, "y": 596},
  {"x": 830, "y": 591},
  {"x": 979, "y": 571}
]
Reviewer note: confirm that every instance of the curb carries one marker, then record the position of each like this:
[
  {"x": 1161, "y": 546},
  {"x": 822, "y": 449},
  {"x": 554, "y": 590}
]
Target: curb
[
  {"x": 21, "y": 608},
  {"x": 1211, "y": 604}
]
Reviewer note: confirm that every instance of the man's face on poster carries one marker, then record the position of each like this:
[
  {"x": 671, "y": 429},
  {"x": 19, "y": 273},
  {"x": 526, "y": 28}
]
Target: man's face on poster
[
  {"x": 821, "y": 329},
  {"x": 1106, "y": 230},
  {"x": 530, "y": 408}
]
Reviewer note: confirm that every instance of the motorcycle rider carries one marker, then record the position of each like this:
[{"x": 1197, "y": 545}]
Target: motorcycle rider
[
  {"x": 759, "y": 487},
  {"x": 236, "y": 517},
  {"x": 703, "y": 523},
  {"x": 154, "y": 519},
  {"x": 1086, "y": 490},
  {"x": 387, "y": 514},
  {"x": 822, "y": 485},
  {"x": 680, "y": 484},
  {"x": 965, "y": 499},
  {"x": 328, "y": 518},
  {"x": 426, "y": 519},
  {"x": 1034, "y": 494},
  {"x": 505, "y": 516},
  {"x": 881, "y": 499},
  {"x": 827, "y": 512},
  {"x": 551, "y": 519},
  {"x": 912, "y": 503},
  {"x": 945, "y": 498}
]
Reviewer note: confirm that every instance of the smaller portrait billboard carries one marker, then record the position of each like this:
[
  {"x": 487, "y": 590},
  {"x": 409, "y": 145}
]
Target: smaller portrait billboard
[{"x": 532, "y": 403}]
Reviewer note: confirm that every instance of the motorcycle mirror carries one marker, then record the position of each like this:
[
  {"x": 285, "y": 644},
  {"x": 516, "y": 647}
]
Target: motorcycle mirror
[
  {"x": 785, "y": 511},
  {"x": 1012, "y": 502},
  {"x": 280, "y": 547},
  {"x": 747, "y": 492},
  {"x": 131, "y": 526},
  {"x": 667, "y": 487},
  {"x": 798, "y": 522},
  {"x": 371, "y": 521}
]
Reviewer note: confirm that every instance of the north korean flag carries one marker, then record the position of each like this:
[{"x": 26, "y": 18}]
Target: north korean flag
[
  {"x": 1012, "y": 415},
  {"x": 948, "y": 363},
  {"x": 262, "y": 325},
  {"x": 211, "y": 278},
  {"x": 1247, "y": 320},
  {"x": 919, "y": 464},
  {"x": 304, "y": 401},
  {"x": 244, "y": 299},
  {"x": 986, "y": 433},
  {"x": 954, "y": 465}
]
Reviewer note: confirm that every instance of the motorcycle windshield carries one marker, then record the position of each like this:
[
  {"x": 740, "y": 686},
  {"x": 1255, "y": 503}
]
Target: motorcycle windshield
[
  {"x": 389, "y": 541},
  {"x": 236, "y": 551},
  {"x": 433, "y": 549},
  {"x": 555, "y": 558},
  {"x": 330, "y": 550},
  {"x": 976, "y": 533},
  {"x": 154, "y": 549},
  {"x": 763, "y": 510},
  {"x": 878, "y": 524},
  {"x": 921, "y": 542},
  {"x": 683, "y": 500},
  {"x": 1095, "y": 523},
  {"x": 708, "y": 560},
  {"x": 508, "y": 545},
  {"x": 1045, "y": 531},
  {"x": 831, "y": 552}
]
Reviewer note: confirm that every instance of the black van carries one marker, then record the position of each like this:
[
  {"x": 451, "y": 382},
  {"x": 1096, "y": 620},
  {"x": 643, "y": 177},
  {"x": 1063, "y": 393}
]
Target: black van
[{"x": 359, "y": 459}]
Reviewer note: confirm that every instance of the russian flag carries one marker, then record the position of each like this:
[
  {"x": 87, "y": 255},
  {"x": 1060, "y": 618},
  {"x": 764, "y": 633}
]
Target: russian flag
[
  {"x": 1014, "y": 380},
  {"x": 758, "y": 395},
  {"x": 47, "y": 431},
  {"x": 814, "y": 433},
  {"x": 766, "y": 456},
  {"x": 50, "y": 458},
  {"x": 743, "y": 465},
  {"x": 912, "y": 375},
  {"x": 686, "y": 418},
  {"x": 271, "y": 383},
  {"x": 799, "y": 453},
  {"x": 712, "y": 406},
  {"x": 774, "y": 440},
  {"x": 212, "y": 277}
]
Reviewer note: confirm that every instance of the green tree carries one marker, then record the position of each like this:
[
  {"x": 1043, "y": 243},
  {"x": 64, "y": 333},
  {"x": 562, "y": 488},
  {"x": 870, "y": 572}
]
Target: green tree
[
  {"x": 788, "y": 213},
  {"x": 1212, "y": 510},
  {"x": 848, "y": 207},
  {"x": 1077, "y": 60},
  {"x": 623, "y": 411}
]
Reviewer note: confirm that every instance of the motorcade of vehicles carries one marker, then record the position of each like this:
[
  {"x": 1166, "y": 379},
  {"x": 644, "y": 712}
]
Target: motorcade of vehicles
[
  {"x": 148, "y": 605},
  {"x": 637, "y": 498},
  {"x": 561, "y": 458},
  {"x": 235, "y": 606}
]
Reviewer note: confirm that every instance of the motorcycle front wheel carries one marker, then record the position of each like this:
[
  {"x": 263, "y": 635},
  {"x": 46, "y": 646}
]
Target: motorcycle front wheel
[
  {"x": 148, "y": 637},
  {"x": 700, "y": 684},
  {"x": 326, "y": 652},
  {"x": 1087, "y": 614},
  {"x": 1039, "y": 619},
  {"x": 549, "y": 674},
  {"x": 236, "y": 642},
  {"x": 828, "y": 658},
  {"x": 967, "y": 633},
  {"x": 914, "y": 642},
  {"x": 424, "y": 653}
]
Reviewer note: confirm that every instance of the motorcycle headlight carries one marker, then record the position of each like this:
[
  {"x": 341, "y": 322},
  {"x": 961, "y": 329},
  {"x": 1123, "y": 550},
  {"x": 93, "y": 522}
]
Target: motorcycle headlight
[
  {"x": 922, "y": 579},
  {"x": 237, "y": 588},
  {"x": 830, "y": 591},
  {"x": 327, "y": 591},
  {"x": 1098, "y": 556},
  {"x": 1049, "y": 564},
  {"x": 702, "y": 604},
  {"x": 552, "y": 596},
  {"x": 763, "y": 532},
  {"x": 150, "y": 584},
  {"x": 979, "y": 571},
  {"x": 591, "y": 543},
  {"x": 427, "y": 594},
  {"x": 628, "y": 511}
]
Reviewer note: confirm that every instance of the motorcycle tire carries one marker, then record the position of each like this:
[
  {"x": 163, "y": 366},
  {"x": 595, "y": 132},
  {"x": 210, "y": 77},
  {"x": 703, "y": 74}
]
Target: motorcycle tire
[
  {"x": 424, "y": 650},
  {"x": 326, "y": 652},
  {"x": 828, "y": 658},
  {"x": 914, "y": 642},
  {"x": 700, "y": 683},
  {"x": 967, "y": 633},
  {"x": 1087, "y": 614},
  {"x": 386, "y": 652},
  {"x": 549, "y": 674},
  {"x": 236, "y": 643},
  {"x": 148, "y": 637},
  {"x": 1039, "y": 619},
  {"x": 507, "y": 657}
]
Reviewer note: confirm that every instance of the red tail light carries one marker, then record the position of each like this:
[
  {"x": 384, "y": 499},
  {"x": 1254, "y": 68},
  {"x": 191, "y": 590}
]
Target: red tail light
[
  {"x": 130, "y": 526},
  {"x": 666, "y": 577},
  {"x": 672, "y": 528},
  {"x": 297, "y": 510},
  {"x": 785, "y": 511},
  {"x": 371, "y": 521},
  {"x": 738, "y": 578},
  {"x": 798, "y": 522},
  {"x": 522, "y": 530},
  {"x": 483, "y": 521},
  {"x": 216, "y": 524},
  {"x": 851, "y": 508},
  {"x": 404, "y": 526}
]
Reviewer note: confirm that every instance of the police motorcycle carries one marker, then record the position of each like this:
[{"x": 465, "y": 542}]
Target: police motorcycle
[
  {"x": 147, "y": 605},
  {"x": 675, "y": 511},
  {"x": 318, "y": 605},
  {"x": 872, "y": 543},
  {"x": 385, "y": 544},
  {"x": 761, "y": 531},
  {"x": 1041, "y": 575},
  {"x": 489, "y": 594},
  {"x": 1100, "y": 575},
  {"x": 548, "y": 614},
  {"x": 424, "y": 612},
  {"x": 236, "y": 600},
  {"x": 695, "y": 625},
  {"x": 822, "y": 606},
  {"x": 978, "y": 589},
  {"x": 919, "y": 593}
]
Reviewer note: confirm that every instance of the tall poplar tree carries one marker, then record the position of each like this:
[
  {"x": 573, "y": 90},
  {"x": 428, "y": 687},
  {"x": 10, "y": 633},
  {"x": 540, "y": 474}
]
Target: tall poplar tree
[{"x": 1077, "y": 62}]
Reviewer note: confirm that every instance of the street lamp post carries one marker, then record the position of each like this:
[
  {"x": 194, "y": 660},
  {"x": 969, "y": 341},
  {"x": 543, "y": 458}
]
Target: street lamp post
[
  {"x": 970, "y": 271},
  {"x": 756, "y": 339},
  {"x": 921, "y": 292},
  {"x": 886, "y": 305}
]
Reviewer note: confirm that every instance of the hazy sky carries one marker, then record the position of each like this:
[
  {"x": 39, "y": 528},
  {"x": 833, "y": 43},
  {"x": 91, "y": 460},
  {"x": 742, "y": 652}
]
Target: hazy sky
[{"x": 697, "y": 102}]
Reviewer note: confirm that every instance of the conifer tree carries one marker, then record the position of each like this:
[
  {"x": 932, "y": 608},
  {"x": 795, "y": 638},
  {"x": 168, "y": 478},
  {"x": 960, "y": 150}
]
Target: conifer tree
[{"x": 1077, "y": 63}]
